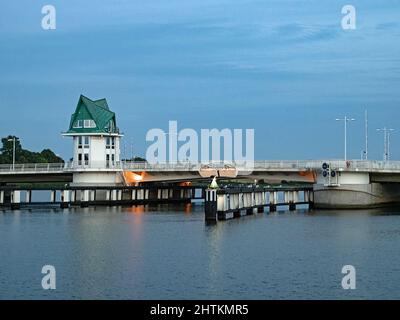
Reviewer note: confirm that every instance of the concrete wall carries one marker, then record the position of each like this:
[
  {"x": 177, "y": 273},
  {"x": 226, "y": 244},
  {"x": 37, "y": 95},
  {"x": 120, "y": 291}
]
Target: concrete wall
[
  {"x": 356, "y": 195},
  {"x": 97, "y": 150},
  {"x": 345, "y": 178},
  {"x": 97, "y": 179}
]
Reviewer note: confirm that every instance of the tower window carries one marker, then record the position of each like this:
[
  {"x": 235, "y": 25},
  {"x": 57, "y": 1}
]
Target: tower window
[
  {"x": 78, "y": 124},
  {"x": 86, "y": 142},
  {"x": 89, "y": 124},
  {"x": 108, "y": 142},
  {"x": 80, "y": 142}
]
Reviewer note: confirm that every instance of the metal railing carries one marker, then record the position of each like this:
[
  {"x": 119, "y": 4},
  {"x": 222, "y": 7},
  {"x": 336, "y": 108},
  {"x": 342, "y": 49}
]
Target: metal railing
[
  {"x": 32, "y": 167},
  {"x": 258, "y": 165}
]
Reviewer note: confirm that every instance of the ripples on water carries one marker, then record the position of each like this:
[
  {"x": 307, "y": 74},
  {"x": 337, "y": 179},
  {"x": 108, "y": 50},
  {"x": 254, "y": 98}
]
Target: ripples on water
[{"x": 167, "y": 252}]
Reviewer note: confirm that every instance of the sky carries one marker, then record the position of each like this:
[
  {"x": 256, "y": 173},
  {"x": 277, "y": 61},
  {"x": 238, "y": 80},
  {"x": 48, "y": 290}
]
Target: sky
[{"x": 284, "y": 68}]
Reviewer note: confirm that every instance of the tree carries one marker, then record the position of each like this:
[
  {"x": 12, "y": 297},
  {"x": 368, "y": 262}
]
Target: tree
[{"x": 25, "y": 156}]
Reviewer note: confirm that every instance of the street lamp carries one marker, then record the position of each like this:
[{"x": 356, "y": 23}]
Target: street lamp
[
  {"x": 13, "y": 140},
  {"x": 345, "y": 119},
  {"x": 386, "y": 142}
]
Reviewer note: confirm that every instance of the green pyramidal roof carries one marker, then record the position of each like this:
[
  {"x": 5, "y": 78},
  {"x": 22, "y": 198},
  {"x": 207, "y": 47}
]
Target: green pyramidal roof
[{"x": 99, "y": 118}]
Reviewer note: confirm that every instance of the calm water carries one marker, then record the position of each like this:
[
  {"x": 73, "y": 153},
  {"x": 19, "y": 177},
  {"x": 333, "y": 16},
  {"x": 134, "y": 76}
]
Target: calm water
[{"x": 167, "y": 252}]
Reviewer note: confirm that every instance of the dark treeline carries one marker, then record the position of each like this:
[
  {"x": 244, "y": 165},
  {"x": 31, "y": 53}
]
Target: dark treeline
[{"x": 23, "y": 155}]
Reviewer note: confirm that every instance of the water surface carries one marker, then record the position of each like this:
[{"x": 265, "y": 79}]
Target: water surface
[{"x": 168, "y": 252}]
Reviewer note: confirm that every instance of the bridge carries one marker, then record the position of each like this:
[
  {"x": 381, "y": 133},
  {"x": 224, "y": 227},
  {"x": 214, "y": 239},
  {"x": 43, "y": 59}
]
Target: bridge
[
  {"x": 336, "y": 183},
  {"x": 268, "y": 170}
]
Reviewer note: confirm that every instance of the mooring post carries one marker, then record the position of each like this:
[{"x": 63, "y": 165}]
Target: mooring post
[{"x": 210, "y": 205}]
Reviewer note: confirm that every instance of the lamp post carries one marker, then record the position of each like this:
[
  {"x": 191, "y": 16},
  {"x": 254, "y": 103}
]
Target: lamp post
[
  {"x": 13, "y": 161},
  {"x": 345, "y": 119},
  {"x": 386, "y": 142}
]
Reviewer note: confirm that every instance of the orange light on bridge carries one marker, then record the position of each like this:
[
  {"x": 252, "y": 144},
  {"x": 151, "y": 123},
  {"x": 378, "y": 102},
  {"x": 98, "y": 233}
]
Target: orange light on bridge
[{"x": 132, "y": 177}]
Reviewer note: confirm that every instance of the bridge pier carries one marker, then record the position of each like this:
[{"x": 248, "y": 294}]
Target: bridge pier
[
  {"x": 1, "y": 197},
  {"x": 64, "y": 199},
  {"x": 85, "y": 197},
  {"x": 309, "y": 198},
  {"x": 273, "y": 200},
  {"x": 15, "y": 199},
  {"x": 28, "y": 196},
  {"x": 53, "y": 194}
]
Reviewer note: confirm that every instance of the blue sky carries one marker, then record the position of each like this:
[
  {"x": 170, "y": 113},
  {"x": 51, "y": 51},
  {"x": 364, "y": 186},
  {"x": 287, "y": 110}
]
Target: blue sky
[{"x": 284, "y": 68}]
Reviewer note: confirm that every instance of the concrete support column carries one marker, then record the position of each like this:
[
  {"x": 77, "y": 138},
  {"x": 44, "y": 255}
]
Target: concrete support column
[
  {"x": 73, "y": 196},
  {"x": 221, "y": 202},
  {"x": 28, "y": 196},
  {"x": 273, "y": 198},
  {"x": 15, "y": 199},
  {"x": 295, "y": 196},
  {"x": 146, "y": 194},
  {"x": 133, "y": 194},
  {"x": 1, "y": 197},
  {"x": 85, "y": 196},
  {"x": 291, "y": 200},
  {"x": 64, "y": 199},
  {"x": 311, "y": 199},
  {"x": 53, "y": 196},
  {"x": 92, "y": 195},
  {"x": 114, "y": 195}
]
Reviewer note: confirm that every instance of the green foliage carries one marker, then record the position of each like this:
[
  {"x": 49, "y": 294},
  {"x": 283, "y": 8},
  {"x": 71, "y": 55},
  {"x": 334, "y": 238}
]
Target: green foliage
[
  {"x": 139, "y": 159},
  {"x": 25, "y": 156}
]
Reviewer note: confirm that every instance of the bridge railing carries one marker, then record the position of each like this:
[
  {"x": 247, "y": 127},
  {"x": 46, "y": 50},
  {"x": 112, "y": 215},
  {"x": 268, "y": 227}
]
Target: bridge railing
[
  {"x": 258, "y": 165},
  {"x": 32, "y": 167}
]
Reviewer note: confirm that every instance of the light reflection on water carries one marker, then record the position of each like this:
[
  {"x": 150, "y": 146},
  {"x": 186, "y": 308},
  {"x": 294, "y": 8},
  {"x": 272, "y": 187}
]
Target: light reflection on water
[{"x": 168, "y": 252}]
